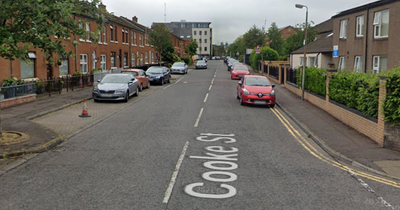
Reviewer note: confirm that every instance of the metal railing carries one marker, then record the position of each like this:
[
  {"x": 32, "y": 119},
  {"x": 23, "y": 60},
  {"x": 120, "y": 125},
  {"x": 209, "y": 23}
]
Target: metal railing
[
  {"x": 17, "y": 90},
  {"x": 291, "y": 76}
]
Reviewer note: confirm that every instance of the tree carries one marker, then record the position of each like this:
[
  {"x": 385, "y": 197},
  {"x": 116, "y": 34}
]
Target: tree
[
  {"x": 160, "y": 38},
  {"x": 35, "y": 24},
  {"x": 191, "y": 49},
  {"x": 295, "y": 41},
  {"x": 237, "y": 46},
  {"x": 26, "y": 24},
  {"x": 253, "y": 37},
  {"x": 275, "y": 39},
  {"x": 269, "y": 54}
]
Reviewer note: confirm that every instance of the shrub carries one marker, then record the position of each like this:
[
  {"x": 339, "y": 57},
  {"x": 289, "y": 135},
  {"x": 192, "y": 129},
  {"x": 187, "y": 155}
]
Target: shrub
[{"x": 392, "y": 103}]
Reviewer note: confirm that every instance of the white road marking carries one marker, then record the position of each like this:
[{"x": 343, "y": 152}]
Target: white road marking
[
  {"x": 210, "y": 88},
  {"x": 198, "y": 118},
  {"x": 174, "y": 82},
  {"x": 205, "y": 99},
  {"x": 212, "y": 82},
  {"x": 175, "y": 174}
]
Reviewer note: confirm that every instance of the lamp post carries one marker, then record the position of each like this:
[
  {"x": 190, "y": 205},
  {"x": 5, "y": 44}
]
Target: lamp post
[{"x": 300, "y": 6}]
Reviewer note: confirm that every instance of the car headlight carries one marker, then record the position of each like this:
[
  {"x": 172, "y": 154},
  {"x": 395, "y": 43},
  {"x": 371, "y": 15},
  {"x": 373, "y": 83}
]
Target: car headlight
[
  {"x": 272, "y": 93},
  {"x": 158, "y": 77},
  {"x": 233, "y": 72},
  {"x": 95, "y": 89},
  {"x": 246, "y": 92},
  {"x": 120, "y": 91}
]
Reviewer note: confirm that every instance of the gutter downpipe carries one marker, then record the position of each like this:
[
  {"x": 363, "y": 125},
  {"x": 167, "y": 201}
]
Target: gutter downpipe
[{"x": 366, "y": 42}]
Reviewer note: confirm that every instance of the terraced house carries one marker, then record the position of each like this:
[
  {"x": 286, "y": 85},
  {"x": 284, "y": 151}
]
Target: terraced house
[
  {"x": 123, "y": 43},
  {"x": 367, "y": 37}
]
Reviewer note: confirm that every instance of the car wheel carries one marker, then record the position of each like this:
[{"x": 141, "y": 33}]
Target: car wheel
[
  {"x": 241, "y": 102},
  {"x": 272, "y": 106},
  {"x": 237, "y": 96},
  {"x": 126, "y": 99},
  {"x": 148, "y": 85},
  {"x": 162, "y": 81},
  {"x": 137, "y": 92},
  {"x": 141, "y": 87},
  {"x": 169, "y": 80},
  {"x": 95, "y": 100}
]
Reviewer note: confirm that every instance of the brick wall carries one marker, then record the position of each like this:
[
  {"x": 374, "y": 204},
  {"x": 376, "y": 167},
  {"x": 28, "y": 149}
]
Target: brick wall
[{"x": 17, "y": 101}]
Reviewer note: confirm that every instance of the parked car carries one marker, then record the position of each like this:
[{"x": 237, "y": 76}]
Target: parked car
[
  {"x": 159, "y": 74},
  {"x": 238, "y": 71},
  {"x": 140, "y": 75},
  {"x": 231, "y": 63},
  {"x": 115, "y": 87},
  {"x": 179, "y": 67},
  {"x": 201, "y": 64},
  {"x": 257, "y": 90}
]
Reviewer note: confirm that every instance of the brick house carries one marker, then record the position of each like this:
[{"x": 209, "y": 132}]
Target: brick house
[
  {"x": 122, "y": 44},
  {"x": 367, "y": 37}
]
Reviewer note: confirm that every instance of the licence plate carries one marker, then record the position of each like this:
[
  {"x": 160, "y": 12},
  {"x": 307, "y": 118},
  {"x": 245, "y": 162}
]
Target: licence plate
[
  {"x": 106, "y": 95},
  {"x": 259, "y": 102}
]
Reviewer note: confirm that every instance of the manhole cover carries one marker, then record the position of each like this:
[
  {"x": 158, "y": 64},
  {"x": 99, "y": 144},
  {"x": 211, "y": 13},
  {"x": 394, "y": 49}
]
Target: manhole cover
[{"x": 11, "y": 137}]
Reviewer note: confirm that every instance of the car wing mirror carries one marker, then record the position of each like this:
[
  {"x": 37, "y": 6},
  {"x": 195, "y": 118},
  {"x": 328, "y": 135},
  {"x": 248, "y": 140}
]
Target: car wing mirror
[
  {"x": 240, "y": 83},
  {"x": 273, "y": 85}
]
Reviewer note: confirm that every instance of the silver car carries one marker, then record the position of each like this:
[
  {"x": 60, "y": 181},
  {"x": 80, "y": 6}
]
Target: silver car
[
  {"x": 179, "y": 67},
  {"x": 115, "y": 87}
]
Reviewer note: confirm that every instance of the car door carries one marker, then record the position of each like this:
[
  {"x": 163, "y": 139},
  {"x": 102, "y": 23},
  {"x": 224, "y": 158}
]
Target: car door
[
  {"x": 132, "y": 84},
  {"x": 144, "y": 78}
]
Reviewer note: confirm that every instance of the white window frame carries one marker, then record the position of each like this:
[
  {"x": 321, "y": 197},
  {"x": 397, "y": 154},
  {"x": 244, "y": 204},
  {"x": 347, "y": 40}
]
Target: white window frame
[
  {"x": 84, "y": 63},
  {"x": 379, "y": 22},
  {"x": 133, "y": 61},
  {"x": 313, "y": 61},
  {"x": 134, "y": 39},
  {"x": 81, "y": 26},
  {"x": 88, "y": 32},
  {"x": 343, "y": 29},
  {"x": 342, "y": 63},
  {"x": 103, "y": 61},
  {"x": 105, "y": 35},
  {"x": 125, "y": 60},
  {"x": 360, "y": 26},
  {"x": 377, "y": 65},
  {"x": 358, "y": 64}
]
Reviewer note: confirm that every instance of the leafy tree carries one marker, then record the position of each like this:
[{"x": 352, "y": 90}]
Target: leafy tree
[
  {"x": 253, "y": 37},
  {"x": 268, "y": 54},
  {"x": 160, "y": 39},
  {"x": 275, "y": 39},
  {"x": 191, "y": 49},
  {"x": 35, "y": 24},
  {"x": 295, "y": 41},
  {"x": 237, "y": 46}
]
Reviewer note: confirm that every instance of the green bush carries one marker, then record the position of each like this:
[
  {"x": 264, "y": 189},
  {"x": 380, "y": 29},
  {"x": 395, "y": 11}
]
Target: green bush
[
  {"x": 187, "y": 60},
  {"x": 356, "y": 90},
  {"x": 269, "y": 54},
  {"x": 392, "y": 103},
  {"x": 315, "y": 81}
]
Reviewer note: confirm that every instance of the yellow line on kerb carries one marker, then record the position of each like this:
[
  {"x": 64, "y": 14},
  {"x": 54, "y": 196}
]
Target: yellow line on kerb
[{"x": 313, "y": 151}]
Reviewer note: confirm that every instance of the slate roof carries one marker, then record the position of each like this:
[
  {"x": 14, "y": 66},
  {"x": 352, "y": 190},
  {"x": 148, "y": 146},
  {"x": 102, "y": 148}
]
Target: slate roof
[{"x": 321, "y": 45}]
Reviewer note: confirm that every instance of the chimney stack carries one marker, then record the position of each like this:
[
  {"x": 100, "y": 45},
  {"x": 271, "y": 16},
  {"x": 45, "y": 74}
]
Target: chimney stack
[
  {"x": 102, "y": 6},
  {"x": 135, "y": 19}
]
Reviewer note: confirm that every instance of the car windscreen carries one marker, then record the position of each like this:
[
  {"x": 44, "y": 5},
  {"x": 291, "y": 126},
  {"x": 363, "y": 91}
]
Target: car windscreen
[
  {"x": 154, "y": 70},
  {"x": 257, "y": 81},
  {"x": 240, "y": 68},
  {"x": 133, "y": 73},
  {"x": 178, "y": 65},
  {"x": 201, "y": 62},
  {"x": 115, "y": 79}
]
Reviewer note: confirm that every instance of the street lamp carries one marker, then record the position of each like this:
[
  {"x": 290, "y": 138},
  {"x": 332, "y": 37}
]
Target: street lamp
[{"x": 300, "y": 6}]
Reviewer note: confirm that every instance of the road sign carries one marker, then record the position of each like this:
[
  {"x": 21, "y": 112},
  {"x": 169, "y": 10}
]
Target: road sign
[
  {"x": 335, "y": 51},
  {"x": 258, "y": 50}
]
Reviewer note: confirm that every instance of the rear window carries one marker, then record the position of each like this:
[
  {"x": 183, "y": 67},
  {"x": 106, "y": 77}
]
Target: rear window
[
  {"x": 257, "y": 81},
  {"x": 240, "y": 68},
  {"x": 133, "y": 73}
]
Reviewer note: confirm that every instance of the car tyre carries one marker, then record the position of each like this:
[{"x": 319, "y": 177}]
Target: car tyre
[
  {"x": 241, "y": 101},
  {"x": 137, "y": 92},
  {"x": 126, "y": 99},
  {"x": 141, "y": 87},
  {"x": 95, "y": 100},
  {"x": 237, "y": 96},
  {"x": 271, "y": 105},
  {"x": 169, "y": 80},
  {"x": 148, "y": 85},
  {"x": 162, "y": 81}
]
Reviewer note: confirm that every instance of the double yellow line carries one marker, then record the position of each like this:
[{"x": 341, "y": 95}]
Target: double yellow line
[{"x": 312, "y": 150}]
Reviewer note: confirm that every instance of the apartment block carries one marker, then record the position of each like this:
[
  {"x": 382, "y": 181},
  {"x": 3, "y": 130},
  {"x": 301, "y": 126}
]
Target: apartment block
[{"x": 366, "y": 38}]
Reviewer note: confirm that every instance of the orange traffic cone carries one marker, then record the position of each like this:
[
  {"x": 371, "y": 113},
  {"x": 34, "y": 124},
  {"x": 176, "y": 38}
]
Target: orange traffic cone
[{"x": 85, "y": 112}]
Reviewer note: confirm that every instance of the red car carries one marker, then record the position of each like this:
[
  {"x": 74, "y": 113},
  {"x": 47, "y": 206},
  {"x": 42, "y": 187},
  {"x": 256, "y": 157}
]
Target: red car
[
  {"x": 140, "y": 75},
  {"x": 238, "y": 71},
  {"x": 257, "y": 90}
]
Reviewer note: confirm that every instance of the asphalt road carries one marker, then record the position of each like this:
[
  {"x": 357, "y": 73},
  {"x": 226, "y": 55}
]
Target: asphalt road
[{"x": 190, "y": 145}]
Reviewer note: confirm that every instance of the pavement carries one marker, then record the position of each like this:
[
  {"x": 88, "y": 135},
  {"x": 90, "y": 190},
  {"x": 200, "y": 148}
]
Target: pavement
[{"x": 46, "y": 126}]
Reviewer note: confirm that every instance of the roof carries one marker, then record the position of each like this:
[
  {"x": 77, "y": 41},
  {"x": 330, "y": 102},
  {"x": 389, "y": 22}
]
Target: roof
[
  {"x": 321, "y": 45},
  {"x": 364, "y": 7},
  {"x": 324, "y": 27}
]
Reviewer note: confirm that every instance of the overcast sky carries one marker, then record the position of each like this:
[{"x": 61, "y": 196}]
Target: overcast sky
[{"x": 230, "y": 18}]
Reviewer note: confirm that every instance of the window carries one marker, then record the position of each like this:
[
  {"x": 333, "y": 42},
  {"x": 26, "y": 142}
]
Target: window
[
  {"x": 94, "y": 60},
  {"x": 64, "y": 66},
  {"x": 140, "y": 40},
  {"x": 84, "y": 63},
  {"x": 195, "y": 33},
  {"x": 112, "y": 33},
  {"x": 88, "y": 32},
  {"x": 126, "y": 60},
  {"x": 104, "y": 35},
  {"x": 141, "y": 59},
  {"x": 381, "y": 24},
  {"x": 133, "y": 59},
  {"x": 137, "y": 59},
  {"x": 380, "y": 64},
  {"x": 145, "y": 39},
  {"x": 200, "y": 33},
  {"x": 81, "y": 26},
  {"x": 205, "y": 32},
  {"x": 134, "y": 39},
  {"x": 146, "y": 58},
  {"x": 113, "y": 64},
  {"x": 103, "y": 62},
  {"x": 205, "y": 48},
  {"x": 205, "y": 40},
  {"x": 358, "y": 61},
  {"x": 360, "y": 26},
  {"x": 342, "y": 63},
  {"x": 301, "y": 61},
  {"x": 131, "y": 37},
  {"x": 313, "y": 61},
  {"x": 199, "y": 40},
  {"x": 28, "y": 67},
  {"x": 343, "y": 26},
  {"x": 123, "y": 36}
]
